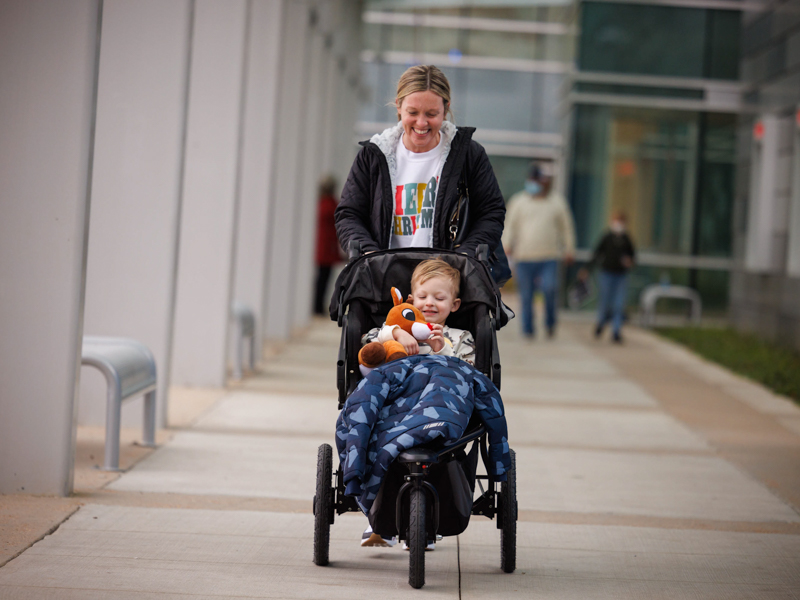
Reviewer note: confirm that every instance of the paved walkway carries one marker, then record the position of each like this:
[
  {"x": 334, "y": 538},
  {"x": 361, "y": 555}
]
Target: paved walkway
[{"x": 643, "y": 473}]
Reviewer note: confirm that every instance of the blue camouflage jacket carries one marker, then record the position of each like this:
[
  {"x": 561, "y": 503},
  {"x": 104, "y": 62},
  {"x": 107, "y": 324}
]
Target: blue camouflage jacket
[{"x": 406, "y": 403}]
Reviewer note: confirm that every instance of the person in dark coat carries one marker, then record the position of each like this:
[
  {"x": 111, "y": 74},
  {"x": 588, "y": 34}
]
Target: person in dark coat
[
  {"x": 615, "y": 255},
  {"x": 404, "y": 186},
  {"x": 328, "y": 253}
]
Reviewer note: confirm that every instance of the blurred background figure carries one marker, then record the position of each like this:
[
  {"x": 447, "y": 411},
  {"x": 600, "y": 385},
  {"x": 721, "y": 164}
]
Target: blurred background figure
[
  {"x": 538, "y": 233},
  {"x": 615, "y": 255},
  {"x": 328, "y": 250}
]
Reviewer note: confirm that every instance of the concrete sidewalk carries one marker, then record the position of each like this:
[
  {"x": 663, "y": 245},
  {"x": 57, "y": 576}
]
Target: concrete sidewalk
[{"x": 644, "y": 472}]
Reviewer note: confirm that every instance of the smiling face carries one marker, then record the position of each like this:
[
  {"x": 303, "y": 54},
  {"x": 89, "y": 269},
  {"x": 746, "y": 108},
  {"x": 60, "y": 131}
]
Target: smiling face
[
  {"x": 422, "y": 115},
  {"x": 435, "y": 299}
]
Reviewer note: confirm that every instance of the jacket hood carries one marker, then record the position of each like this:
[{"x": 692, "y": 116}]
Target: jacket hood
[
  {"x": 388, "y": 138},
  {"x": 387, "y": 141}
]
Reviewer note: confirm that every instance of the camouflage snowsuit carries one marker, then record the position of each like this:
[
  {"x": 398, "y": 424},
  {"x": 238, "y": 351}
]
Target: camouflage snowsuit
[{"x": 406, "y": 403}]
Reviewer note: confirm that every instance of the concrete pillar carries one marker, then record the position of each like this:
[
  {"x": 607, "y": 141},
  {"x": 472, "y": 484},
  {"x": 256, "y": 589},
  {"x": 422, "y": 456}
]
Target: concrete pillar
[
  {"x": 141, "y": 110},
  {"x": 761, "y": 253},
  {"x": 208, "y": 211},
  {"x": 309, "y": 175},
  {"x": 288, "y": 163},
  {"x": 257, "y": 155},
  {"x": 48, "y": 70}
]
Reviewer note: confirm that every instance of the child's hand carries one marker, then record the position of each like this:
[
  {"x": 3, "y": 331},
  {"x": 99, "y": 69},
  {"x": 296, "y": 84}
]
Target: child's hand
[
  {"x": 407, "y": 340},
  {"x": 436, "y": 341}
]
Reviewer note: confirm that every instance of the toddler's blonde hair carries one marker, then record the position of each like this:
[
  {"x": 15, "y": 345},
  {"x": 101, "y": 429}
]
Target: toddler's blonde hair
[{"x": 436, "y": 267}]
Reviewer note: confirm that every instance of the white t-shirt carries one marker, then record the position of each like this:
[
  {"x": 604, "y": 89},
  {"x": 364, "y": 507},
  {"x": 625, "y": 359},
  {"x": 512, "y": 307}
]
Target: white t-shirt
[{"x": 415, "y": 196}]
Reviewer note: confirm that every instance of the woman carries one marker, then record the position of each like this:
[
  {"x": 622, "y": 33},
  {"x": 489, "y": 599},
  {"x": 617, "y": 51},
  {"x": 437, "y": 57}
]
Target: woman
[
  {"x": 615, "y": 255},
  {"x": 405, "y": 184}
]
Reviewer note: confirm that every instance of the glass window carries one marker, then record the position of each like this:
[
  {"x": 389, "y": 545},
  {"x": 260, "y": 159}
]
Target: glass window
[
  {"x": 725, "y": 29},
  {"x": 496, "y": 99},
  {"x": 659, "y": 40},
  {"x": 654, "y": 40},
  {"x": 672, "y": 172},
  {"x": 716, "y": 186},
  {"x": 505, "y": 44},
  {"x": 511, "y": 172}
]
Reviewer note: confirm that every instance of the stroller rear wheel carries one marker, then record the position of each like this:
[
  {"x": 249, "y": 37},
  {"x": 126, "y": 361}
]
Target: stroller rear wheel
[
  {"x": 417, "y": 538},
  {"x": 508, "y": 513},
  {"x": 323, "y": 505}
]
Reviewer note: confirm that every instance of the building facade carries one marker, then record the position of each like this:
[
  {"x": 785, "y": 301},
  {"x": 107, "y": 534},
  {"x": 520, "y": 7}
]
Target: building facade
[{"x": 653, "y": 104}]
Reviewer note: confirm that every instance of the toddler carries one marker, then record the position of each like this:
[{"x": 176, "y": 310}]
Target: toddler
[{"x": 434, "y": 292}]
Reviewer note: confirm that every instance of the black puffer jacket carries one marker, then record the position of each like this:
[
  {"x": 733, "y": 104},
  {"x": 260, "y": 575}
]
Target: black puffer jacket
[{"x": 366, "y": 208}]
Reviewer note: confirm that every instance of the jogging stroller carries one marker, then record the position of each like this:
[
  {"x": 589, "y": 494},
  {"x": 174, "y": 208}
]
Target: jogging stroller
[{"x": 428, "y": 490}]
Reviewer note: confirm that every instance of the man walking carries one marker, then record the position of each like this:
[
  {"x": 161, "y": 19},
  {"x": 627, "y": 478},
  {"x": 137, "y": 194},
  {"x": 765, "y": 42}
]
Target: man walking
[{"x": 538, "y": 233}]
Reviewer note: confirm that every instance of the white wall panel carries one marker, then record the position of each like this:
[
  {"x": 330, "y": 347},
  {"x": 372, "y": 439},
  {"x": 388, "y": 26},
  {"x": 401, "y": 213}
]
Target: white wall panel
[
  {"x": 311, "y": 158},
  {"x": 257, "y": 156},
  {"x": 208, "y": 211},
  {"x": 136, "y": 188},
  {"x": 48, "y": 66},
  {"x": 285, "y": 204}
]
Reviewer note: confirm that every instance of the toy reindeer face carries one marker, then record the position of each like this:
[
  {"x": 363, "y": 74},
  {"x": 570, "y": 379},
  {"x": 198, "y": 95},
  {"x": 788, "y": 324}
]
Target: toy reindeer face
[{"x": 408, "y": 318}]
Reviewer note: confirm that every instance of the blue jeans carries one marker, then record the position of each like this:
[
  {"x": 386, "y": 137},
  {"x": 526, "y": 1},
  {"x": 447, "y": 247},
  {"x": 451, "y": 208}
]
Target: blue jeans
[
  {"x": 611, "y": 301},
  {"x": 541, "y": 275}
]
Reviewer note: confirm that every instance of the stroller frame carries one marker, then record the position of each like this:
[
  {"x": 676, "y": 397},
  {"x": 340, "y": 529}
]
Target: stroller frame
[{"x": 418, "y": 503}]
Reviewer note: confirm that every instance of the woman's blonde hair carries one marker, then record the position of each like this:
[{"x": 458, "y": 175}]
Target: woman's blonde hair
[
  {"x": 436, "y": 267},
  {"x": 423, "y": 78}
]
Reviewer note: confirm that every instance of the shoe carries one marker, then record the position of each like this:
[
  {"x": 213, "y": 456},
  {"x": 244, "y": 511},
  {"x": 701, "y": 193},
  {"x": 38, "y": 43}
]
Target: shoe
[
  {"x": 598, "y": 331},
  {"x": 430, "y": 547},
  {"x": 372, "y": 539},
  {"x": 528, "y": 337},
  {"x": 551, "y": 333},
  {"x": 617, "y": 338}
]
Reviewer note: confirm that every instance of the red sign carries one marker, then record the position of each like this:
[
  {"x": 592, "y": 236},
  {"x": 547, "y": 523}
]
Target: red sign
[
  {"x": 758, "y": 131},
  {"x": 797, "y": 117}
]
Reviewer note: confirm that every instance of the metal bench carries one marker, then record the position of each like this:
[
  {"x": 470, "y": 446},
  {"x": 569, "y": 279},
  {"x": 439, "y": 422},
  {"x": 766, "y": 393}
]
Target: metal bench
[
  {"x": 130, "y": 370},
  {"x": 654, "y": 292},
  {"x": 245, "y": 326}
]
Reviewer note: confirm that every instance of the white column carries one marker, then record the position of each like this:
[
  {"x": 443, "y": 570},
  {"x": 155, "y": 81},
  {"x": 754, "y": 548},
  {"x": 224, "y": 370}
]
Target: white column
[
  {"x": 760, "y": 255},
  {"x": 310, "y": 172},
  {"x": 793, "y": 251},
  {"x": 48, "y": 66},
  {"x": 257, "y": 156},
  {"x": 286, "y": 174},
  {"x": 208, "y": 211},
  {"x": 136, "y": 183}
]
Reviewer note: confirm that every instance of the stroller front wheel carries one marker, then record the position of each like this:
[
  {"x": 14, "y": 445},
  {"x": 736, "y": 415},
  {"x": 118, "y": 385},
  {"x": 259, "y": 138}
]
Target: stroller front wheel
[
  {"x": 417, "y": 538},
  {"x": 323, "y": 505}
]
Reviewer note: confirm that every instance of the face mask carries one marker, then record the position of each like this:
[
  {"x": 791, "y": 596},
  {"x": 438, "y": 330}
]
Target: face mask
[
  {"x": 618, "y": 227},
  {"x": 534, "y": 188}
]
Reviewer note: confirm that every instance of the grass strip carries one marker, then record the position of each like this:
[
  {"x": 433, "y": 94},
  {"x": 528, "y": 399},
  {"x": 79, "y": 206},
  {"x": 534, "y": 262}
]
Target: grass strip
[{"x": 774, "y": 366}]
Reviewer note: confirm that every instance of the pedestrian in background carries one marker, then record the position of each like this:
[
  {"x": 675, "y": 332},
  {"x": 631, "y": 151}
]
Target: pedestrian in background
[
  {"x": 328, "y": 252},
  {"x": 615, "y": 255},
  {"x": 539, "y": 232}
]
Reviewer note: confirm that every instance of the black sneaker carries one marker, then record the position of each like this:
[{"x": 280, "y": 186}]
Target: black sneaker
[
  {"x": 598, "y": 331},
  {"x": 617, "y": 338}
]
